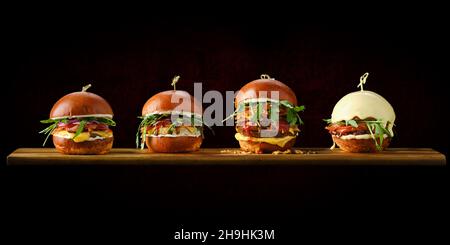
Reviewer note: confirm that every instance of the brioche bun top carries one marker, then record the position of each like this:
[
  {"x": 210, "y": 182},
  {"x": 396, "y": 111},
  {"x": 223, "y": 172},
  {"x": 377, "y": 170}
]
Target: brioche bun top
[
  {"x": 172, "y": 101},
  {"x": 81, "y": 104},
  {"x": 263, "y": 88}
]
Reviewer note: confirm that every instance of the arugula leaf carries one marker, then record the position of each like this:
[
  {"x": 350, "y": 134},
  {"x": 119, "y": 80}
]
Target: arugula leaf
[
  {"x": 49, "y": 121},
  {"x": 369, "y": 126},
  {"x": 144, "y": 137},
  {"x": 379, "y": 131},
  {"x": 376, "y": 129},
  {"x": 373, "y": 136},
  {"x": 351, "y": 122},
  {"x": 192, "y": 120},
  {"x": 292, "y": 113},
  {"x": 257, "y": 108},
  {"x": 286, "y": 103},
  {"x": 254, "y": 110},
  {"x": 54, "y": 124},
  {"x": 299, "y": 108},
  {"x": 148, "y": 120},
  {"x": 178, "y": 122},
  {"x": 260, "y": 110},
  {"x": 386, "y": 131},
  {"x": 107, "y": 121},
  {"x": 151, "y": 120},
  {"x": 80, "y": 128},
  {"x": 48, "y": 131},
  {"x": 274, "y": 112},
  {"x": 291, "y": 117}
]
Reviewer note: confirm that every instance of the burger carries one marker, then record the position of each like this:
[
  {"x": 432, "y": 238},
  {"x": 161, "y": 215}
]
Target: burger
[
  {"x": 80, "y": 124},
  {"x": 362, "y": 121},
  {"x": 266, "y": 116},
  {"x": 171, "y": 122}
]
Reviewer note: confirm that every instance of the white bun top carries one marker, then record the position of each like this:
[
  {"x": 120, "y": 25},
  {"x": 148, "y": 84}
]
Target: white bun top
[{"x": 364, "y": 104}]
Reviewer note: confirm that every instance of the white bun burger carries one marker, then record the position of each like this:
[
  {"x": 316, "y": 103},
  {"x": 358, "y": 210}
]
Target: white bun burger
[{"x": 362, "y": 121}]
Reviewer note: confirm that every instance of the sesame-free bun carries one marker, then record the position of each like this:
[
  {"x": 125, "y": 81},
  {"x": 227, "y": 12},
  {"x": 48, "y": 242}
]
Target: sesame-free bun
[
  {"x": 167, "y": 102},
  {"x": 96, "y": 147},
  {"x": 264, "y": 88},
  {"x": 360, "y": 145},
  {"x": 81, "y": 104},
  {"x": 174, "y": 144},
  {"x": 263, "y": 147},
  {"x": 252, "y": 90},
  {"x": 172, "y": 100},
  {"x": 364, "y": 104}
]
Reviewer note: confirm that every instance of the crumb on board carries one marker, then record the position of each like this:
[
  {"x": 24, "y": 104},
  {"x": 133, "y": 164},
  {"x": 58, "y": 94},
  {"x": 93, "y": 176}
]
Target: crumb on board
[
  {"x": 283, "y": 152},
  {"x": 235, "y": 152},
  {"x": 289, "y": 151},
  {"x": 292, "y": 151},
  {"x": 311, "y": 152}
]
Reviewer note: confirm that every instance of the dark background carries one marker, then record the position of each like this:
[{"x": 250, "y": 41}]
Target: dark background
[
  {"x": 128, "y": 61},
  {"x": 129, "y": 57}
]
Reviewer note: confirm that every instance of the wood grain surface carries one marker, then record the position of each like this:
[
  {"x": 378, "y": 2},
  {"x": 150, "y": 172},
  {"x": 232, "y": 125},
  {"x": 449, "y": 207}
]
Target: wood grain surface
[{"x": 219, "y": 156}]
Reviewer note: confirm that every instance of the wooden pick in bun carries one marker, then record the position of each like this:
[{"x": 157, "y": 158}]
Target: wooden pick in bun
[
  {"x": 171, "y": 122},
  {"x": 80, "y": 124},
  {"x": 362, "y": 121},
  {"x": 266, "y": 116}
]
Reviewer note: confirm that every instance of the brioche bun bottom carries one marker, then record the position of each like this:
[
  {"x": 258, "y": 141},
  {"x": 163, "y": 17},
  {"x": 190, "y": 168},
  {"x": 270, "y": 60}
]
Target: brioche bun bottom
[
  {"x": 96, "y": 147},
  {"x": 360, "y": 145},
  {"x": 262, "y": 147},
  {"x": 174, "y": 144}
]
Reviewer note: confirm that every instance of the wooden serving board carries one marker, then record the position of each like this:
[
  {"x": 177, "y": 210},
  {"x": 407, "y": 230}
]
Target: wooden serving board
[{"x": 219, "y": 156}]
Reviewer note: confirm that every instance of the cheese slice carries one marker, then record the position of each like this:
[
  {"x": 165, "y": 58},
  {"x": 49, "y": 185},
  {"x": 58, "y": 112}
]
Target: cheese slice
[
  {"x": 84, "y": 136},
  {"x": 281, "y": 142}
]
